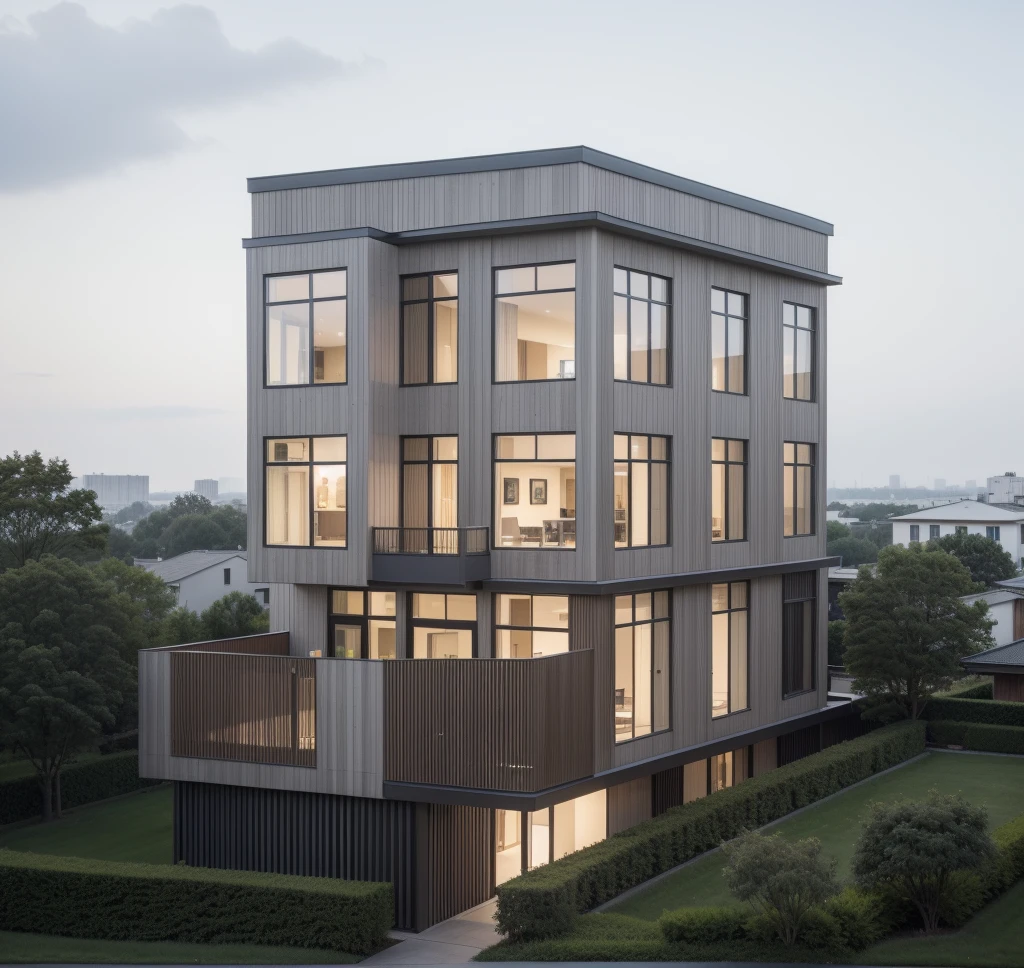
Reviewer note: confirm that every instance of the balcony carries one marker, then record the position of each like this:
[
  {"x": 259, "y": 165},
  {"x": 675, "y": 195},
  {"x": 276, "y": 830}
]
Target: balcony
[{"x": 430, "y": 556}]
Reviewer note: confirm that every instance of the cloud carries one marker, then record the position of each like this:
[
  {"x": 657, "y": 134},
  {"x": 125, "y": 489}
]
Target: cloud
[
  {"x": 155, "y": 413},
  {"x": 80, "y": 98}
]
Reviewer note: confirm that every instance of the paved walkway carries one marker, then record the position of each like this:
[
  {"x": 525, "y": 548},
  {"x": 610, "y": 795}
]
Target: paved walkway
[{"x": 452, "y": 942}]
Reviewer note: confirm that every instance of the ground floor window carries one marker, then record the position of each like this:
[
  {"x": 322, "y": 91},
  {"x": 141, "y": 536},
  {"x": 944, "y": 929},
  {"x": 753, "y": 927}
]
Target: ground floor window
[
  {"x": 642, "y": 679},
  {"x": 443, "y": 626},
  {"x": 527, "y": 626},
  {"x": 361, "y": 625},
  {"x": 721, "y": 772}
]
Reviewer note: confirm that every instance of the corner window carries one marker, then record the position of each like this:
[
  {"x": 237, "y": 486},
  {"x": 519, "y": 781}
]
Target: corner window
[
  {"x": 443, "y": 626},
  {"x": 641, "y": 490},
  {"x": 798, "y": 632},
  {"x": 642, "y": 680},
  {"x": 797, "y": 489},
  {"x": 798, "y": 352},
  {"x": 730, "y": 648},
  {"x": 430, "y": 328},
  {"x": 641, "y": 348},
  {"x": 535, "y": 323},
  {"x": 303, "y": 311},
  {"x": 527, "y": 626},
  {"x": 535, "y": 491},
  {"x": 361, "y": 625},
  {"x": 728, "y": 341},
  {"x": 728, "y": 489},
  {"x": 306, "y": 494}
]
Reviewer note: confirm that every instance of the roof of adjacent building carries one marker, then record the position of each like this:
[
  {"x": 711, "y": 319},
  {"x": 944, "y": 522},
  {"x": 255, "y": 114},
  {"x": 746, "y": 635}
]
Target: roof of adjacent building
[
  {"x": 843, "y": 574},
  {"x": 994, "y": 596},
  {"x": 534, "y": 159},
  {"x": 1011, "y": 654},
  {"x": 1016, "y": 584},
  {"x": 964, "y": 511},
  {"x": 187, "y": 564}
]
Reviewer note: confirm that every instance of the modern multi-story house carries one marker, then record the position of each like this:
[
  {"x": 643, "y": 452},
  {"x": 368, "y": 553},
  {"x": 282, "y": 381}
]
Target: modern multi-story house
[{"x": 536, "y": 465}]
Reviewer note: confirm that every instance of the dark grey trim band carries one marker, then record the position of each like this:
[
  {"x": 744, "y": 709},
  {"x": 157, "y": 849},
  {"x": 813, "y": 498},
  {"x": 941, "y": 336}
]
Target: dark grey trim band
[
  {"x": 990, "y": 668},
  {"x": 580, "y": 154},
  {"x": 548, "y": 223},
  {"x": 425, "y": 793}
]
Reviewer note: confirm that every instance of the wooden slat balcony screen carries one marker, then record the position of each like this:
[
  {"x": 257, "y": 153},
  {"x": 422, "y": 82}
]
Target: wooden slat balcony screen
[
  {"x": 266, "y": 643},
  {"x": 253, "y": 708},
  {"x": 517, "y": 725}
]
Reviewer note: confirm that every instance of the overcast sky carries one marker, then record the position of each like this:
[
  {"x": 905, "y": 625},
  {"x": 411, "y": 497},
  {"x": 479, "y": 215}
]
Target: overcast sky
[{"x": 127, "y": 129}]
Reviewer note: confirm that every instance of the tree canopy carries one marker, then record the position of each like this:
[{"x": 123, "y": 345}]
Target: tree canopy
[
  {"x": 189, "y": 523},
  {"x": 834, "y": 530},
  {"x": 237, "y": 613},
  {"x": 876, "y": 511},
  {"x": 853, "y": 551},
  {"x": 41, "y": 515},
  {"x": 907, "y": 629},
  {"x": 984, "y": 558}
]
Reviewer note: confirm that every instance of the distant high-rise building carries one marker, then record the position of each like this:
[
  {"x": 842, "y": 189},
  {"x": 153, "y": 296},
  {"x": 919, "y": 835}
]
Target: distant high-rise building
[
  {"x": 1007, "y": 488},
  {"x": 940, "y": 483},
  {"x": 894, "y": 481},
  {"x": 116, "y": 491},
  {"x": 232, "y": 485},
  {"x": 206, "y": 488}
]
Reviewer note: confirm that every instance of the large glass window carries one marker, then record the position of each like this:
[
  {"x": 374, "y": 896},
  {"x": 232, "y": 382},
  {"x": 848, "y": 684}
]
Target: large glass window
[
  {"x": 535, "y": 491},
  {"x": 798, "y": 632},
  {"x": 728, "y": 489},
  {"x": 798, "y": 352},
  {"x": 306, "y": 492},
  {"x": 641, "y": 327},
  {"x": 535, "y": 323},
  {"x": 430, "y": 328},
  {"x": 361, "y": 625},
  {"x": 797, "y": 489},
  {"x": 443, "y": 626},
  {"x": 641, "y": 490},
  {"x": 642, "y": 680},
  {"x": 728, "y": 341},
  {"x": 721, "y": 771},
  {"x": 730, "y": 647},
  {"x": 527, "y": 626},
  {"x": 430, "y": 494},
  {"x": 304, "y": 310}
]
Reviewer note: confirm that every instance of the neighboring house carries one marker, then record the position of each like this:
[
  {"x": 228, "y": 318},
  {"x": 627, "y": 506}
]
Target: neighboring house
[
  {"x": 838, "y": 580},
  {"x": 1006, "y": 609},
  {"x": 1003, "y": 523},
  {"x": 1005, "y": 663},
  {"x": 199, "y": 578},
  {"x": 536, "y": 447}
]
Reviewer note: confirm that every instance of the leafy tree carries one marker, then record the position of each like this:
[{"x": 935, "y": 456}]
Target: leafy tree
[
  {"x": 834, "y": 530},
  {"x": 836, "y": 633},
  {"x": 121, "y": 546},
  {"x": 41, "y": 515},
  {"x": 235, "y": 614},
  {"x": 183, "y": 625},
  {"x": 853, "y": 551},
  {"x": 838, "y": 506},
  {"x": 780, "y": 879},
  {"x": 917, "y": 848},
  {"x": 134, "y": 512},
  {"x": 907, "y": 629},
  {"x": 190, "y": 523},
  {"x": 984, "y": 558}
]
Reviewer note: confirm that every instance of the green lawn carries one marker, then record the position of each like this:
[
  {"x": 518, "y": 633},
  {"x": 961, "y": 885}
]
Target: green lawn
[
  {"x": 137, "y": 827},
  {"x": 995, "y": 781},
  {"x": 17, "y": 948}
]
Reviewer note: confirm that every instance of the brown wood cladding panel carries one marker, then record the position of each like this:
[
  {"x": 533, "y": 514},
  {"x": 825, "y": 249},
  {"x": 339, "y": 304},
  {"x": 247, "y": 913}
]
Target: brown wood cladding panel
[
  {"x": 460, "y": 854},
  {"x": 251, "y": 708},
  {"x": 629, "y": 804},
  {"x": 1008, "y": 687},
  {"x": 488, "y": 723},
  {"x": 591, "y": 626}
]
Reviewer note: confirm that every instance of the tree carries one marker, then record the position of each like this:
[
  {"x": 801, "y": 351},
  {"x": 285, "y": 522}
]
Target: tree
[
  {"x": 837, "y": 506},
  {"x": 780, "y": 879},
  {"x": 189, "y": 523},
  {"x": 834, "y": 530},
  {"x": 836, "y": 646},
  {"x": 182, "y": 625},
  {"x": 878, "y": 511},
  {"x": 40, "y": 514},
  {"x": 907, "y": 629},
  {"x": 235, "y": 614},
  {"x": 984, "y": 558},
  {"x": 853, "y": 551},
  {"x": 916, "y": 848}
]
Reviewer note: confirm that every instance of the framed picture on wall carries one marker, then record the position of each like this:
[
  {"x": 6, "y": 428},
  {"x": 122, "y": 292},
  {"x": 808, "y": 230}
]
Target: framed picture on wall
[
  {"x": 510, "y": 490},
  {"x": 538, "y": 490}
]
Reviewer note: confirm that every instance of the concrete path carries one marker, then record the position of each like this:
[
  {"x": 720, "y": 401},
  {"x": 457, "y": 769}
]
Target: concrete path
[{"x": 452, "y": 942}]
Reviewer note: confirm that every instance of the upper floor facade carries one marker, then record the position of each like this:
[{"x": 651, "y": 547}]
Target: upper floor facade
[{"x": 606, "y": 372}]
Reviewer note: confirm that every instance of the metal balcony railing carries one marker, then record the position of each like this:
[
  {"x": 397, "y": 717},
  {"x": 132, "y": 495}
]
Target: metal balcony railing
[{"x": 431, "y": 541}]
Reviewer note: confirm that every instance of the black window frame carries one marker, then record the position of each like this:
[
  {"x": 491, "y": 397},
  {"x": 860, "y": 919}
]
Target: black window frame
[
  {"x": 729, "y": 610},
  {"x": 528, "y": 292},
  {"x": 458, "y": 625},
  {"x": 429, "y": 463},
  {"x": 227, "y": 576},
  {"x": 812, "y": 490},
  {"x": 935, "y": 530},
  {"x": 630, "y": 298},
  {"x": 310, "y": 464},
  {"x": 298, "y": 302},
  {"x": 634, "y": 622},
  {"x": 430, "y": 301},
  {"x": 795, "y": 327},
  {"x": 629, "y": 462},
  {"x": 915, "y": 533},
  {"x": 727, "y": 462},
  {"x": 497, "y": 626},
  {"x": 363, "y": 620},
  {"x": 794, "y": 595},
  {"x": 746, "y": 339}
]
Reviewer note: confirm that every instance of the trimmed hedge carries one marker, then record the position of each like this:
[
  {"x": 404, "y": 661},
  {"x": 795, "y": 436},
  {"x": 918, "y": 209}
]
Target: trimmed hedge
[
  {"x": 709, "y": 925},
  {"x": 979, "y": 691},
  {"x": 95, "y": 779},
  {"x": 977, "y": 736},
  {"x": 976, "y": 711},
  {"x": 545, "y": 902},
  {"x": 115, "y": 901}
]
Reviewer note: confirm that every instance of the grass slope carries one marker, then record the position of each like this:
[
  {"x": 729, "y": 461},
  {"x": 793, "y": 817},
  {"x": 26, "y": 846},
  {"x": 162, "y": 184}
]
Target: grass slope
[
  {"x": 994, "y": 781},
  {"x": 138, "y": 827}
]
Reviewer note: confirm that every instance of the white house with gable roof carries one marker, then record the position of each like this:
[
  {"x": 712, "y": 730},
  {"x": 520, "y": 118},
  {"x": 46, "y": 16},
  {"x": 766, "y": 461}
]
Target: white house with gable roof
[
  {"x": 1002, "y": 523},
  {"x": 199, "y": 578}
]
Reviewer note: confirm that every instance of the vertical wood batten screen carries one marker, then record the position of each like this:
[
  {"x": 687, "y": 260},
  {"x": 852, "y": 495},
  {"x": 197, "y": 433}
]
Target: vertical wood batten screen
[
  {"x": 266, "y": 643},
  {"x": 520, "y": 725},
  {"x": 253, "y": 708}
]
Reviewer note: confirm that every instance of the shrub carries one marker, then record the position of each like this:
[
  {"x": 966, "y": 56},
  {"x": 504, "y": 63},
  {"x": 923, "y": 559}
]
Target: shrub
[
  {"x": 85, "y": 898},
  {"x": 95, "y": 779},
  {"x": 976, "y": 711},
  {"x": 859, "y": 918},
  {"x": 973, "y": 690},
  {"x": 977, "y": 736},
  {"x": 709, "y": 925},
  {"x": 545, "y": 902}
]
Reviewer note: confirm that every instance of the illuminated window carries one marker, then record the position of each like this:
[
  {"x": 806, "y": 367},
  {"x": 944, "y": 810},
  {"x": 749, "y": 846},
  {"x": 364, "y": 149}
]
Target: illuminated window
[
  {"x": 304, "y": 310},
  {"x": 535, "y": 491},
  {"x": 430, "y": 328},
  {"x": 728, "y": 341},
  {"x": 306, "y": 492},
  {"x": 642, "y": 679},
  {"x": 361, "y": 625},
  {"x": 798, "y": 489},
  {"x": 798, "y": 352},
  {"x": 728, "y": 489},
  {"x": 641, "y": 345},
  {"x": 443, "y": 626},
  {"x": 535, "y": 323},
  {"x": 527, "y": 626},
  {"x": 730, "y": 647},
  {"x": 641, "y": 490}
]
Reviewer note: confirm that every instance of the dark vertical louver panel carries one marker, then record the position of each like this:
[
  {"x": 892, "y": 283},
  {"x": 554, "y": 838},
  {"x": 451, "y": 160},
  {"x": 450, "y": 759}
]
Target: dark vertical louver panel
[
  {"x": 666, "y": 790},
  {"x": 848, "y": 727},
  {"x": 461, "y": 859},
  {"x": 798, "y": 744}
]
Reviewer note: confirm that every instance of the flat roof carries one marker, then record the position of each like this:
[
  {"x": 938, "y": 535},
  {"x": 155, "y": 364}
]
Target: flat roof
[{"x": 535, "y": 159}]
